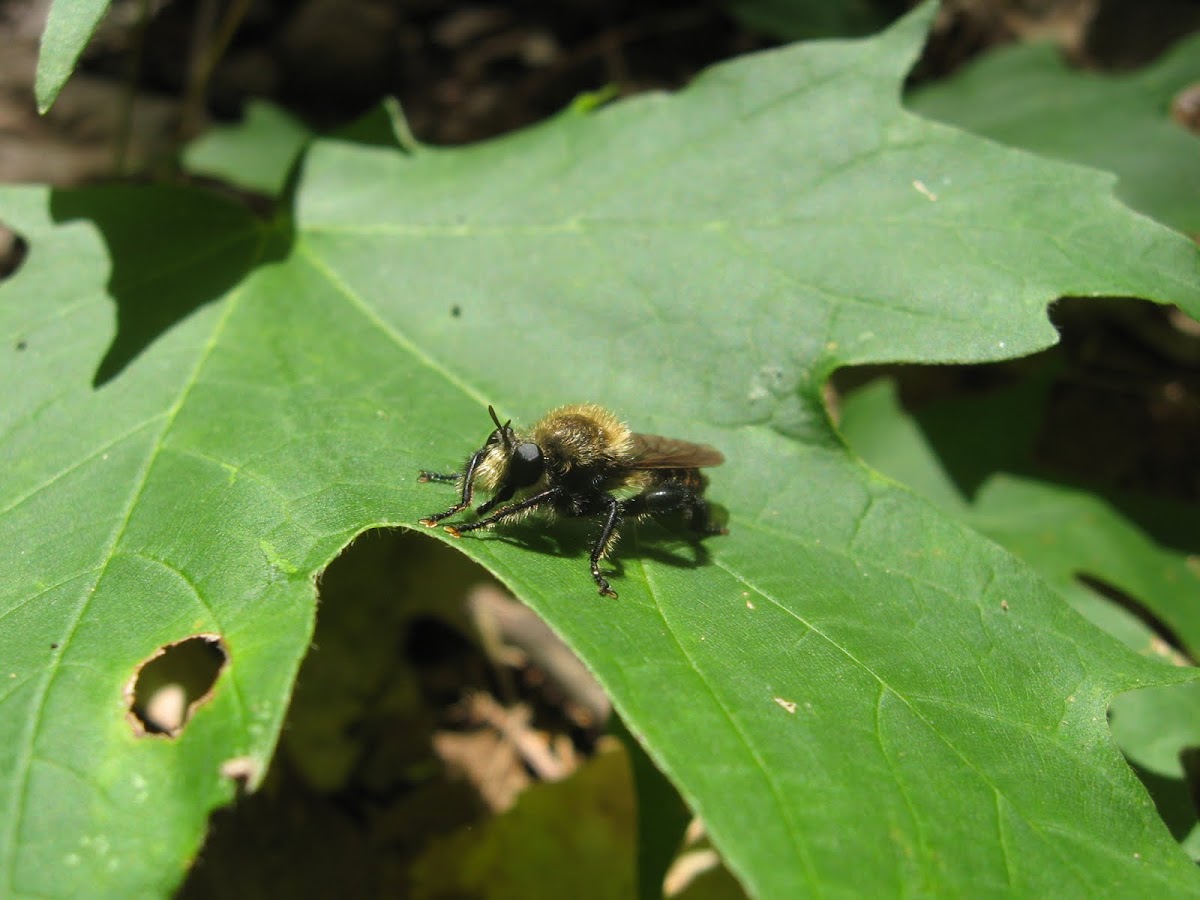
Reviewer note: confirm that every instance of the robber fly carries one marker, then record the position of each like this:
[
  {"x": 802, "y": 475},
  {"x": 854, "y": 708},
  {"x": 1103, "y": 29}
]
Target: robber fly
[{"x": 582, "y": 461}]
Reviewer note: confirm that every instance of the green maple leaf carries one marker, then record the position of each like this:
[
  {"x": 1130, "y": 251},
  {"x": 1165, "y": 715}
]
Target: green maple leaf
[{"x": 856, "y": 692}]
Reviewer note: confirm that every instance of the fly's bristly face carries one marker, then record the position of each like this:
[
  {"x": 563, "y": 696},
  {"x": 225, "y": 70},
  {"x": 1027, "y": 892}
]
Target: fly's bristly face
[
  {"x": 509, "y": 460},
  {"x": 575, "y": 461}
]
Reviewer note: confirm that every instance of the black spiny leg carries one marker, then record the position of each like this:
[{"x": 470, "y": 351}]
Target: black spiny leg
[
  {"x": 607, "y": 536},
  {"x": 676, "y": 496},
  {"x": 504, "y": 513},
  {"x": 502, "y": 496},
  {"x": 468, "y": 479}
]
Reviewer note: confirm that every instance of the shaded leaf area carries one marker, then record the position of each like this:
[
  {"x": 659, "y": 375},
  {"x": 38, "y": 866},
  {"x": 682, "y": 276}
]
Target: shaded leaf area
[
  {"x": 590, "y": 820},
  {"x": 1027, "y": 96},
  {"x": 171, "y": 254},
  {"x": 662, "y": 816},
  {"x": 855, "y": 691},
  {"x": 382, "y": 773},
  {"x": 576, "y": 835},
  {"x": 1083, "y": 546}
]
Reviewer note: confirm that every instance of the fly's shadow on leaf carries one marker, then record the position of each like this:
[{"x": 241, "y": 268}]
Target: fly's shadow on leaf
[
  {"x": 667, "y": 543},
  {"x": 172, "y": 251}
]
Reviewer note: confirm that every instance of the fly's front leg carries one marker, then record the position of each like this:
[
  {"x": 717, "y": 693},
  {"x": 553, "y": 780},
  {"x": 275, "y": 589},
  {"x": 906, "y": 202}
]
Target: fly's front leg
[
  {"x": 504, "y": 513},
  {"x": 468, "y": 489},
  {"x": 503, "y": 495},
  {"x": 608, "y": 536}
]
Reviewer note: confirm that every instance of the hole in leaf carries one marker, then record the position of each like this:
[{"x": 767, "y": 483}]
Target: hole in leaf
[
  {"x": 13, "y": 251},
  {"x": 171, "y": 684},
  {"x": 246, "y": 771},
  {"x": 1171, "y": 647}
]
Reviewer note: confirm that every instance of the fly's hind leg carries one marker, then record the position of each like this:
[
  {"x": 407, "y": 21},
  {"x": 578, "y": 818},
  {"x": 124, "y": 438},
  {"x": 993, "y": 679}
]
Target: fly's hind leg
[
  {"x": 608, "y": 537},
  {"x": 676, "y": 496}
]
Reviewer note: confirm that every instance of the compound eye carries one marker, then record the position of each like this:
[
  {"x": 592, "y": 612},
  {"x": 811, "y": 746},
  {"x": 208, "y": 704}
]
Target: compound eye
[{"x": 525, "y": 466}]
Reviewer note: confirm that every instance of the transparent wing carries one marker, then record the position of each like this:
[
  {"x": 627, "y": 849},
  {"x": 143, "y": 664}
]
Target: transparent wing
[{"x": 653, "y": 452}]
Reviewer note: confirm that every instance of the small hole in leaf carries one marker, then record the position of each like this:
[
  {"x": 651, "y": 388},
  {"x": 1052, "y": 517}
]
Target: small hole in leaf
[
  {"x": 13, "y": 250},
  {"x": 175, "y": 681},
  {"x": 246, "y": 771},
  {"x": 1170, "y": 647}
]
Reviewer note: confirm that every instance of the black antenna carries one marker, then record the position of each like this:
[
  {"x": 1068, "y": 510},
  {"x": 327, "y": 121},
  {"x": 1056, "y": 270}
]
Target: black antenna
[{"x": 504, "y": 429}]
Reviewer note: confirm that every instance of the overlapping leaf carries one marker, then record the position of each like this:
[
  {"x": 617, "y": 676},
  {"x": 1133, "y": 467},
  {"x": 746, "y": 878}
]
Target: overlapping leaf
[
  {"x": 69, "y": 26},
  {"x": 1073, "y": 539},
  {"x": 1027, "y": 96}
]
